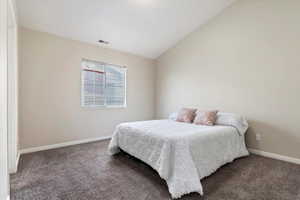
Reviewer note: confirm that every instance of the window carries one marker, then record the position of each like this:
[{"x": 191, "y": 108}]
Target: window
[{"x": 102, "y": 84}]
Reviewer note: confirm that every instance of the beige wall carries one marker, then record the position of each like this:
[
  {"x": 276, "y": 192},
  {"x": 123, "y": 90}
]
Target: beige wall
[
  {"x": 50, "y": 110},
  {"x": 247, "y": 61}
]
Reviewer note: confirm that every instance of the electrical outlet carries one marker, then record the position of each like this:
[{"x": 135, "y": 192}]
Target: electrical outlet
[{"x": 258, "y": 136}]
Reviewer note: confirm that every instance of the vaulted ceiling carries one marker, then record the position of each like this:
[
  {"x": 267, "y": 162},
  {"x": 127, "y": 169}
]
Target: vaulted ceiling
[{"x": 142, "y": 27}]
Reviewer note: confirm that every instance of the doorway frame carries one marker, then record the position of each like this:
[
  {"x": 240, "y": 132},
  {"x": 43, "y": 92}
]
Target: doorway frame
[
  {"x": 4, "y": 181},
  {"x": 13, "y": 155}
]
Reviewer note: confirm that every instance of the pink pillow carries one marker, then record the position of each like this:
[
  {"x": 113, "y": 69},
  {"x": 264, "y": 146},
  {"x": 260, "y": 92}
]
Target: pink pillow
[
  {"x": 186, "y": 115},
  {"x": 207, "y": 118}
]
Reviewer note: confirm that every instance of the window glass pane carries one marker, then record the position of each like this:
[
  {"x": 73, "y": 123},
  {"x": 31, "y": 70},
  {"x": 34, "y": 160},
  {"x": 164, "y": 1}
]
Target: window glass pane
[
  {"x": 89, "y": 100},
  {"x": 102, "y": 84},
  {"x": 115, "y": 85},
  {"x": 88, "y": 83}
]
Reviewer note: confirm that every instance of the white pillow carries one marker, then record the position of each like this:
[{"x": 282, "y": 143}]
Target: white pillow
[
  {"x": 173, "y": 116},
  {"x": 234, "y": 120}
]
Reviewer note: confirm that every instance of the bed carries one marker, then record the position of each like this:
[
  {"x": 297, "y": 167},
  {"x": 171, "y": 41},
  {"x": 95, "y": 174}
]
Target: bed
[{"x": 181, "y": 153}]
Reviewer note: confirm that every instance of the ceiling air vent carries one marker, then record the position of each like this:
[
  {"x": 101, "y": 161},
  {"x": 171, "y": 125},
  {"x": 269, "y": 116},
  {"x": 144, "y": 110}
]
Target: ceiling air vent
[{"x": 103, "y": 42}]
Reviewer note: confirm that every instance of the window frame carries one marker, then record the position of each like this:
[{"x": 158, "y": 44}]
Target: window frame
[{"x": 102, "y": 106}]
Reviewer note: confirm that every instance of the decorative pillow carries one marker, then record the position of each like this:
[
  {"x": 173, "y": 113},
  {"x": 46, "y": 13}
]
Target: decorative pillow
[
  {"x": 186, "y": 115},
  {"x": 173, "y": 116},
  {"x": 234, "y": 120},
  {"x": 207, "y": 118}
]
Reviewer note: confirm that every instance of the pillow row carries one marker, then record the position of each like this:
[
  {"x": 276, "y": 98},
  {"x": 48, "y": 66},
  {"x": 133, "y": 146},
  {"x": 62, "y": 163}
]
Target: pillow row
[
  {"x": 225, "y": 119},
  {"x": 199, "y": 117}
]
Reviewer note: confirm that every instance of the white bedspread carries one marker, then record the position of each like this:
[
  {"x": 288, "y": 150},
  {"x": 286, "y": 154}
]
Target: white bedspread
[{"x": 181, "y": 153}]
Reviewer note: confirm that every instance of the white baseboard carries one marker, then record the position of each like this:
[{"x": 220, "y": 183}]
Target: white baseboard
[
  {"x": 59, "y": 145},
  {"x": 15, "y": 169},
  {"x": 65, "y": 144},
  {"x": 18, "y": 158},
  {"x": 275, "y": 156}
]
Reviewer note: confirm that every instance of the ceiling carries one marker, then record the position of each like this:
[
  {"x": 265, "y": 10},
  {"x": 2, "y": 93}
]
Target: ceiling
[{"x": 142, "y": 27}]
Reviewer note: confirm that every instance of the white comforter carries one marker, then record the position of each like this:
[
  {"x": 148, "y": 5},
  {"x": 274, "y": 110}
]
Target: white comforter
[{"x": 181, "y": 153}]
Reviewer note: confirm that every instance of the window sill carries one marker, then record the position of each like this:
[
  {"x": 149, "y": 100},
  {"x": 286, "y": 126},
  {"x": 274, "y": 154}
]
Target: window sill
[{"x": 104, "y": 107}]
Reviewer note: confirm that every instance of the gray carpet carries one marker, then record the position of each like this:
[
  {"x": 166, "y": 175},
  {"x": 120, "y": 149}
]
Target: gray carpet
[{"x": 86, "y": 172}]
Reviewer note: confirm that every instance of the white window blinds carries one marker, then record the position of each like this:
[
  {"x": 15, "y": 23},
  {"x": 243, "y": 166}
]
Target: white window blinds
[{"x": 103, "y": 84}]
